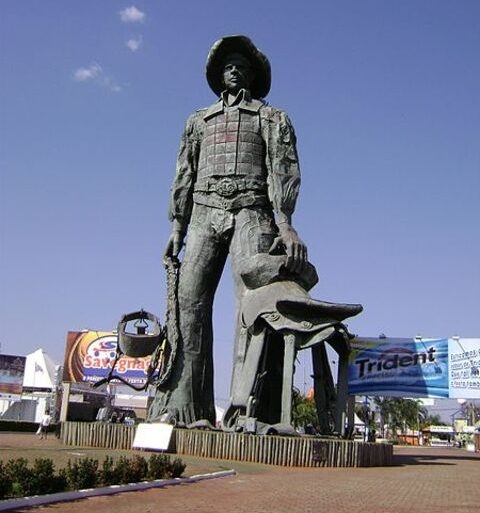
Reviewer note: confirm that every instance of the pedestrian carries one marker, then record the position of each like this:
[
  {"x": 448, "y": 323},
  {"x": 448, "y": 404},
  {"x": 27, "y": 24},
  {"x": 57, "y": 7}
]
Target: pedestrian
[{"x": 44, "y": 424}]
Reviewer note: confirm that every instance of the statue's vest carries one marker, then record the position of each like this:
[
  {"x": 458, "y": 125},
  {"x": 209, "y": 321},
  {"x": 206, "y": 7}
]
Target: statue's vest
[{"x": 231, "y": 171}]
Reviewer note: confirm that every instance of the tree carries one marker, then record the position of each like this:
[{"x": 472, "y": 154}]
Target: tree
[
  {"x": 471, "y": 412},
  {"x": 384, "y": 406},
  {"x": 304, "y": 411},
  {"x": 367, "y": 416},
  {"x": 399, "y": 414},
  {"x": 431, "y": 420}
]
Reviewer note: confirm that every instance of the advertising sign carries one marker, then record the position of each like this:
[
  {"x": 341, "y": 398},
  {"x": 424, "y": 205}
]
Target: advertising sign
[
  {"x": 399, "y": 367},
  {"x": 12, "y": 370},
  {"x": 89, "y": 356},
  {"x": 464, "y": 368}
]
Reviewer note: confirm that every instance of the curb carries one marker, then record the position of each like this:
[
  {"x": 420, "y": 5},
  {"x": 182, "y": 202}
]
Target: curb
[{"x": 41, "y": 500}]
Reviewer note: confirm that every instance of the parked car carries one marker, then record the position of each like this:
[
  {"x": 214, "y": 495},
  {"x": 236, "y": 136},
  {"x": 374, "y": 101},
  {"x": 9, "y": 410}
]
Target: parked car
[{"x": 113, "y": 415}]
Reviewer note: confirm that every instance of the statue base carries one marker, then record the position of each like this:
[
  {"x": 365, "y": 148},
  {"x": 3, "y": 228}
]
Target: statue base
[{"x": 288, "y": 451}]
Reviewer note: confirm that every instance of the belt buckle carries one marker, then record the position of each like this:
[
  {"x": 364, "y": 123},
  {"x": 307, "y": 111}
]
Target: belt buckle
[{"x": 226, "y": 187}]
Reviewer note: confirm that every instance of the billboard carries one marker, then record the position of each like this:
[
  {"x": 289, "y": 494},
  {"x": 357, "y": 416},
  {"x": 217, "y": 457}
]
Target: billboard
[
  {"x": 12, "y": 370},
  {"x": 403, "y": 367},
  {"x": 89, "y": 356},
  {"x": 464, "y": 369},
  {"x": 399, "y": 367}
]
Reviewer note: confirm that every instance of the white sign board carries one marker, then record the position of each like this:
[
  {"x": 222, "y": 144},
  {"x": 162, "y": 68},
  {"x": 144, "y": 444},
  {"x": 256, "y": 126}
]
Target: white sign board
[
  {"x": 155, "y": 436},
  {"x": 464, "y": 368}
]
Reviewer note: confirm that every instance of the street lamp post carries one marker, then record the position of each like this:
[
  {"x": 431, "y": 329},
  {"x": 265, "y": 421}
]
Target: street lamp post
[{"x": 419, "y": 414}]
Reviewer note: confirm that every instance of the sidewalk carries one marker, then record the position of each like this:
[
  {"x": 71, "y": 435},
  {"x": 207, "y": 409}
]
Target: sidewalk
[{"x": 422, "y": 480}]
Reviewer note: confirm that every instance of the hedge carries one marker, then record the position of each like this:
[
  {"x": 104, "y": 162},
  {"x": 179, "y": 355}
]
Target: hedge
[
  {"x": 24, "y": 426},
  {"x": 19, "y": 479}
]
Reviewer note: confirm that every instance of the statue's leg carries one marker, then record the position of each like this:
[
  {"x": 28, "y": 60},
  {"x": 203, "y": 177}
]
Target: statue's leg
[
  {"x": 188, "y": 395},
  {"x": 254, "y": 233},
  {"x": 324, "y": 389}
]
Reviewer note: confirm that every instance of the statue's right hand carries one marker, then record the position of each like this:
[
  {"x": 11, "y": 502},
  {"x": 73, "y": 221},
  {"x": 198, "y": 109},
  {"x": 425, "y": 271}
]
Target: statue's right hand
[{"x": 174, "y": 245}]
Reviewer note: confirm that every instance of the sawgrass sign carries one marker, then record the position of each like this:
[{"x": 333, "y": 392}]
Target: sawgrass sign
[{"x": 89, "y": 356}]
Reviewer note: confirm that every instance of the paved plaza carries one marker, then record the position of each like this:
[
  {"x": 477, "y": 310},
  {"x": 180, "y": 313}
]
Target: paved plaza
[{"x": 421, "y": 480}]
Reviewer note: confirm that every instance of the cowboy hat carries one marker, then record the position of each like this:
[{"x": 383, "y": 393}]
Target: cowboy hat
[{"x": 241, "y": 45}]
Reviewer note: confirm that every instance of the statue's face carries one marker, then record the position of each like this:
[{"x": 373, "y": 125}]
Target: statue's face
[{"x": 237, "y": 73}]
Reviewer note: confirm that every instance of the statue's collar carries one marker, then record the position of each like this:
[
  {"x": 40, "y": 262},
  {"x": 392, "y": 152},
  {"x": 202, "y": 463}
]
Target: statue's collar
[
  {"x": 244, "y": 101},
  {"x": 242, "y": 96}
]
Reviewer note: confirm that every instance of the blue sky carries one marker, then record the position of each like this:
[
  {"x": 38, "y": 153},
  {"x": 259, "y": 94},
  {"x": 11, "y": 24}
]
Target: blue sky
[{"x": 384, "y": 97}]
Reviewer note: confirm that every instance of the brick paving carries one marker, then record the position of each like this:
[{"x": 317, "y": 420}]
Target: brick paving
[{"x": 422, "y": 480}]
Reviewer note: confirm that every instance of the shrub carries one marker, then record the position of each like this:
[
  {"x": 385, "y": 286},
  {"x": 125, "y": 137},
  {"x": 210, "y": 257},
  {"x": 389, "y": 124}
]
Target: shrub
[
  {"x": 108, "y": 475},
  {"x": 81, "y": 474},
  {"x": 5, "y": 482},
  {"x": 122, "y": 470},
  {"x": 138, "y": 469},
  {"x": 21, "y": 477},
  {"x": 18, "y": 426},
  {"x": 158, "y": 466},
  {"x": 130, "y": 470},
  {"x": 176, "y": 468},
  {"x": 44, "y": 480},
  {"x": 17, "y": 479}
]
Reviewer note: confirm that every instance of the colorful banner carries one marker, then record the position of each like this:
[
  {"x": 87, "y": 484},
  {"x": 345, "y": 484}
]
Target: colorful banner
[
  {"x": 89, "y": 356},
  {"x": 399, "y": 367},
  {"x": 12, "y": 370}
]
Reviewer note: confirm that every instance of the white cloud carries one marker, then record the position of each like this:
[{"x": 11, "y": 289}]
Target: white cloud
[
  {"x": 134, "y": 44},
  {"x": 111, "y": 85},
  {"x": 86, "y": 74},
  {"x": 132, "y": 15},
  {"x": 95, "y": 74}
]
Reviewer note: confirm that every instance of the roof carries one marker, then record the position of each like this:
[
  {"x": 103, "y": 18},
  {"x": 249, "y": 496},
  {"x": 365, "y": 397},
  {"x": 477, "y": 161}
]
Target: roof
[{"x": 40, "y": 370}]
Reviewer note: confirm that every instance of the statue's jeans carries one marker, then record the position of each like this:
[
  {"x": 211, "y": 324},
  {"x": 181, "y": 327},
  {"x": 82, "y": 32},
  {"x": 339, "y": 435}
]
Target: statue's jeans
[{"x": 212, "y": 235}]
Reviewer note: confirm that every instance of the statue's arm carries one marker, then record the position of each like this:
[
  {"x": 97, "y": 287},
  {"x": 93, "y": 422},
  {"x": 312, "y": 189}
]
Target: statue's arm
[
  {"x": 181, "y": 197},
  {"x": 284, "y": 186}
]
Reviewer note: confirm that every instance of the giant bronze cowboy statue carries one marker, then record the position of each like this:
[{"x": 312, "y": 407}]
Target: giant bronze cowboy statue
[{"x": 235, "y": 189}]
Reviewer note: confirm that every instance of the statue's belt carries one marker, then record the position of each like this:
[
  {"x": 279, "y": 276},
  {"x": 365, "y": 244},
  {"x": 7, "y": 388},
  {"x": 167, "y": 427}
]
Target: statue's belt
[{"x": 228, "y": 186}]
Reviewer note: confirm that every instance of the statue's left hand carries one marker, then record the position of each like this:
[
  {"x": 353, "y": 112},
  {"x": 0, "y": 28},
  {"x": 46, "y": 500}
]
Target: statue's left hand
[{"x": 294, "y": 247}]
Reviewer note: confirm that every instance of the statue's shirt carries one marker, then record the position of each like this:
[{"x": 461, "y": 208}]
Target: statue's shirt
[{"x": 236, "y": 156}]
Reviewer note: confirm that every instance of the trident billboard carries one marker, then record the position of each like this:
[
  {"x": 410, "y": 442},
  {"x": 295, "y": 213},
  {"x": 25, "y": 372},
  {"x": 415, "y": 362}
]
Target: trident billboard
[
  {"x": 401, "y": 367},
  {"x": 89, "y": 356}
]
